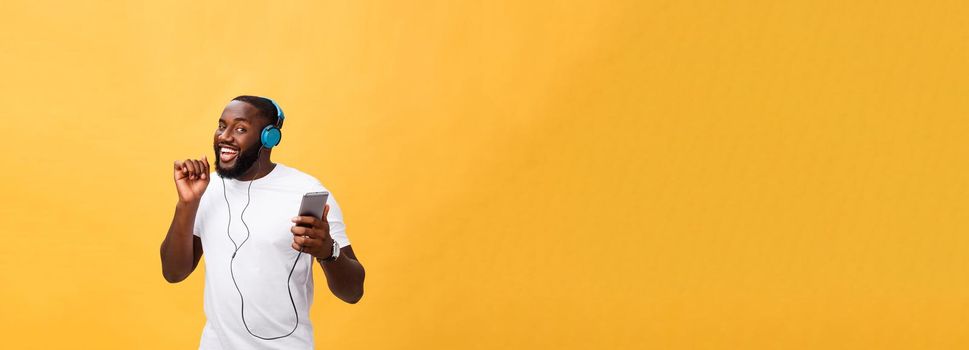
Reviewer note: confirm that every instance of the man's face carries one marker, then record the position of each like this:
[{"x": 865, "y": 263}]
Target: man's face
[{"x": 237, "y": 141}]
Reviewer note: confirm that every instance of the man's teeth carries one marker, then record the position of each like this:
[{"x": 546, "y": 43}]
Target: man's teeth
[{"x": 228, "y": 150}]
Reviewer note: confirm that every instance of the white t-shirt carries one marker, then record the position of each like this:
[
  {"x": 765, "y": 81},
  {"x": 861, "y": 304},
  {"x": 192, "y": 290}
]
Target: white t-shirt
[{"x": 262, "y": 265}]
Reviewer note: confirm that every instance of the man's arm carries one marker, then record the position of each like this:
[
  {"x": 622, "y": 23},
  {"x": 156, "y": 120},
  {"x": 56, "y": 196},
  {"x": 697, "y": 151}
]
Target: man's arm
[
  {"x": 345, "y": 276},
  {"x": 181, "y": 249}
]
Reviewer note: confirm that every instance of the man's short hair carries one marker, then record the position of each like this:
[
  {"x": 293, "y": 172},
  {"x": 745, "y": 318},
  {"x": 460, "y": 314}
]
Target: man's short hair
[{"x": 265, "y": 107}]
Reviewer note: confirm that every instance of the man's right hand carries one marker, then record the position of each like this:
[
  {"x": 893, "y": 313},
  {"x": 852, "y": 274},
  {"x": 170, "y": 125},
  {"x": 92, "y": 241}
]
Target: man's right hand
[{"x": 191, "y": 179}]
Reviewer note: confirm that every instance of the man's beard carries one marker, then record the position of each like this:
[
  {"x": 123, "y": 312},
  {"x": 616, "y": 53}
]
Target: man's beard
[{"x": 244, "y": 161}]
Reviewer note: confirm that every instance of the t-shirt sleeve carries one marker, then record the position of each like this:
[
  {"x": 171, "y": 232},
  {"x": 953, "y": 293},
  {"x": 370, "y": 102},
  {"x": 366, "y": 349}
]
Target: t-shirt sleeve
[
  {"x": 338, "y": 230},
  {"x": 198, "y": 228}
]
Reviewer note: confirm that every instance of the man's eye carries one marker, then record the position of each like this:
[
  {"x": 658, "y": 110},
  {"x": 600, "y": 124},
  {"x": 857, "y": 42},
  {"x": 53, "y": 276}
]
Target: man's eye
[
  {"x": 240, "y": 130},
  {"x": 221, "y": 127}
]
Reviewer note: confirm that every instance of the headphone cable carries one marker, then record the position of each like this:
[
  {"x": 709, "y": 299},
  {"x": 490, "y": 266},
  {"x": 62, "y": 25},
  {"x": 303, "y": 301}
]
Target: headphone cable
[{"x": 239, "y": 246}]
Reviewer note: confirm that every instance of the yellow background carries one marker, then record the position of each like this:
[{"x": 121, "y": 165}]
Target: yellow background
[{"x": 514, "y": 174}]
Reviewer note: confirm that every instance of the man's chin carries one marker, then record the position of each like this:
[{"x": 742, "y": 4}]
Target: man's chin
[
  {"x": 226, "y": 172},
  {"x": 239, "y": 164}
]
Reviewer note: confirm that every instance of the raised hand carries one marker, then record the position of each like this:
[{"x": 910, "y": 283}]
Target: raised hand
[{"x": 191, "y": 179}]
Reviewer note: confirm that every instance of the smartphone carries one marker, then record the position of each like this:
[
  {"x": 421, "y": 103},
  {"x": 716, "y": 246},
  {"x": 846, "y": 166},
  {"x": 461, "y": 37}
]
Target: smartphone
[{"x": 313, "y": 203}]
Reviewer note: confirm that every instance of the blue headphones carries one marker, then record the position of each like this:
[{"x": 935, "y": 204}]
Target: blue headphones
[{"x": 271, "y": 135}]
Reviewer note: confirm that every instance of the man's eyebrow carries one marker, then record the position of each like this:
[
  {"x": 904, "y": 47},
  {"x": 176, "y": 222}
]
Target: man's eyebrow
[{"x": 240, "y": 119}]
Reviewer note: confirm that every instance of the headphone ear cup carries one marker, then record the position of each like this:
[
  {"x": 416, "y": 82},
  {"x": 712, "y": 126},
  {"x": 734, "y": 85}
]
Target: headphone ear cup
[{"x": 270, "y": 136}]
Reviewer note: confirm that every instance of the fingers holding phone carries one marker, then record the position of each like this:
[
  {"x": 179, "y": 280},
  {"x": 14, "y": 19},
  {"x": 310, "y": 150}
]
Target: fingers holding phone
[{"x": 311, "y": 231}]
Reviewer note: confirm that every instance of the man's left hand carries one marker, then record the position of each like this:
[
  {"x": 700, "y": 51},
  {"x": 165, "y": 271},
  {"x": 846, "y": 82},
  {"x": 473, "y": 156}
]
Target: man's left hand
[{"x": 312, "y": 235}]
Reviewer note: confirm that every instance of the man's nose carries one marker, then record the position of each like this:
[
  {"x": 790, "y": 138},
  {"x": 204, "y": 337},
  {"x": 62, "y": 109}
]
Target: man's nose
[{"x": 224, "y": 137}]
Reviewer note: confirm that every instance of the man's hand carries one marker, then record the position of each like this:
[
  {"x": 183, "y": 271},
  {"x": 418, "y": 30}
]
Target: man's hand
[
  {"x": 191, "y": 179},
  {"x": 312, "y": 235}
]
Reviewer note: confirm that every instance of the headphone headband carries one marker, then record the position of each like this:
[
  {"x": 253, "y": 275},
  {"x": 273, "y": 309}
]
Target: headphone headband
[{"x": 279, "y": 112}]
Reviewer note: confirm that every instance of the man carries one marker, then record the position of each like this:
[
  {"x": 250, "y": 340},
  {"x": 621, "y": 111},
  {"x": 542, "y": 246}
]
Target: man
[{"x": 258, "y": 283}]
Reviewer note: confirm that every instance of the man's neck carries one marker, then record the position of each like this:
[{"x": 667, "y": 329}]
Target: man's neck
[{"x": 263, "y": 167}]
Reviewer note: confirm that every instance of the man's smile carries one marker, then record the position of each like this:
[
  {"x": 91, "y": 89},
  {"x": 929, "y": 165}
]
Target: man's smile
[{"x": 227, "y": 153}]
